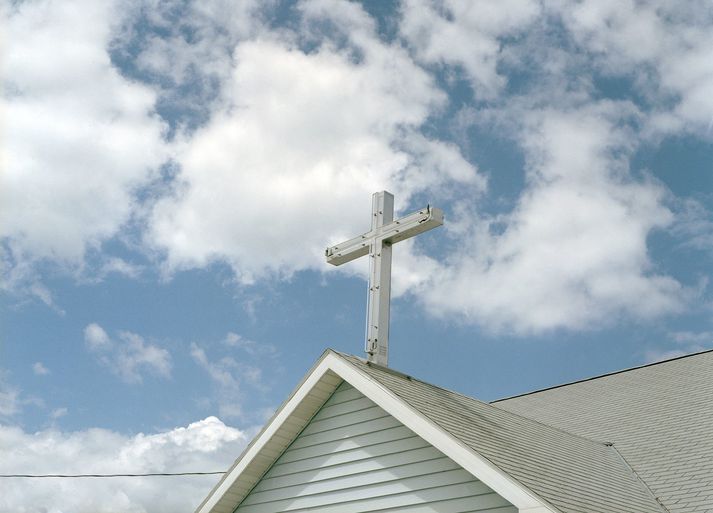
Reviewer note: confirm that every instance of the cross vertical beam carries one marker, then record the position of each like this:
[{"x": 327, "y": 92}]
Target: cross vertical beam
[
  {"x": 377, "y": 243},
  {"x": 377, "y": 319}
]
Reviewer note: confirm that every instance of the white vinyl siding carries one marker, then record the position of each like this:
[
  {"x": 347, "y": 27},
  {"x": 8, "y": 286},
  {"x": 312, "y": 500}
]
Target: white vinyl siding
[{"x": 353, "y": 457}]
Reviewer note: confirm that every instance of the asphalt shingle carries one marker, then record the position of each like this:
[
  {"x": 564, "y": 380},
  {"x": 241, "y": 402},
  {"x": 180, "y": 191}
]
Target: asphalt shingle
[
  {"x": 659, "y": 417},
  {"x": 574, "y": 473}
]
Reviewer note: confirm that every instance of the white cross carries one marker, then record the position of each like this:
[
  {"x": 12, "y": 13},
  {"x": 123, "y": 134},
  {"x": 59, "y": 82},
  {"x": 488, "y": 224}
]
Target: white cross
[{"x": 377, "y": 244}]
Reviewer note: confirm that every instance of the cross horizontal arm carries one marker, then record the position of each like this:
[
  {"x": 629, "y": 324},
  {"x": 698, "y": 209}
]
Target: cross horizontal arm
[{"x": 398, "y": 230}]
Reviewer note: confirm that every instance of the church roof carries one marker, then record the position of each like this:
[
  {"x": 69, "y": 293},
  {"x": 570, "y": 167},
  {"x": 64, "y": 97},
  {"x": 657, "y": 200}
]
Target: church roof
[
  {"x": 622, "y": 443},
  {"x": 571, "y": 472},
  {"x": 659, "y": 417}
]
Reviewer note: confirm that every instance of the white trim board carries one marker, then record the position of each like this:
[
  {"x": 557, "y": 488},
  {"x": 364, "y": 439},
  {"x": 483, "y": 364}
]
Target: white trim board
[{"x": 315, "y": 388}]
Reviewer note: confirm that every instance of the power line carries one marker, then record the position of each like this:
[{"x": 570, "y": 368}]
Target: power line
[{"x": 73, "y": 476}]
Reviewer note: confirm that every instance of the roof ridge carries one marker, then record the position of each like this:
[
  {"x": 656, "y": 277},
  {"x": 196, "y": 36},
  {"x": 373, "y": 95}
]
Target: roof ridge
[{"x": 606, "y": 375}]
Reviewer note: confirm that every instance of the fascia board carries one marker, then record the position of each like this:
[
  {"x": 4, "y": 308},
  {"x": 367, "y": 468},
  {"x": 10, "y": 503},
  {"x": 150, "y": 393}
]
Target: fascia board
[
  {"x": 308, "y": 383},
  {"x": 504, "y": 485}
]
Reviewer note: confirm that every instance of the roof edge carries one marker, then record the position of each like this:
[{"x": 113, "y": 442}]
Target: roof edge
[
  {"x": 230, "y": 477},
  {"x": 592, "y": 378}
]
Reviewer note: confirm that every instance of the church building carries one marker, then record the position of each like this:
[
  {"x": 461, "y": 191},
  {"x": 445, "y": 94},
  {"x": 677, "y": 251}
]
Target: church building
[{"x": 356, "y": 436}]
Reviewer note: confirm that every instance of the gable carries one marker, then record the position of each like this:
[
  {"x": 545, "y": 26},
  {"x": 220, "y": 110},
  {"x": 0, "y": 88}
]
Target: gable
[
  {"x": 309, "y": 397},
  {"x": 355, "y": 457}
]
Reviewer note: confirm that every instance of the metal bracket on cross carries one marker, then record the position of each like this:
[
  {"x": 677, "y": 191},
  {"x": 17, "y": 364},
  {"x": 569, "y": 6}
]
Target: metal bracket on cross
[{"x": 377, "y": 244}]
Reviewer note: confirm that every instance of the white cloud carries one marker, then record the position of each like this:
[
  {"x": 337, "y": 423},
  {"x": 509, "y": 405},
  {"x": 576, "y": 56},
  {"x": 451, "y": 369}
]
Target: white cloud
[
  {"x": 301, "y": 140},
  {"x": 10, "y": 401},
  {"x": 307, "y": 121},
  {"x": 228, "y": 376},
  {"x": 199, "y": 44},
  {"x": 39, "y": 369},
  {"x": 233, "y": 339},
  {"x": 664, "y": 47},
  {"x": 78, "y": 138},
  {"x": 573, "y": 252},
  {"x": 692, "y": 337},
  {"x": 206, "y": 445},
  {"x": 694, "y": 225},
  {"x": 96, "y": 338},
  {"x": 249, "y": 346},
  {"x": 466, "y": 34},
  {"x": 135, "y": 355},
  {"x": 233, "y": 374},
  {"x": 20, "y": 276},
  {"x": 58, "y": 413},
  {"x": 129, "y": 356},
  {"x": 688, "y": 342},
  {"x": 13, "y": 400},
  {"x": 119, "y": 266},
  {"x": 659, "y": 355}
]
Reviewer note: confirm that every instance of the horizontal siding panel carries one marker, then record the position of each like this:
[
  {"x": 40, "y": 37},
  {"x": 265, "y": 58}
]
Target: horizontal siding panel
[
  {"x": 455, "y": 483},
  {"x": 312, "y": 498},
  {"x": 365, "y": 440},
  {"x": 276, "y": 490},
  {"x": 352, "y": 457},
  {"x": 486, "y": 503},
  {"x": 332, "y": 410},
  {"x": 343, "y": 391},
  {"x": 391, "y": 456},
  {"x": 345, "y": 419},
  {"x": 367, "y": 465},
  {"x": 401, "y": 501},
  {"x": 378, "y": 448},
  {"x": 346, "y": 432},
  {"x": 345, "y": 394}
]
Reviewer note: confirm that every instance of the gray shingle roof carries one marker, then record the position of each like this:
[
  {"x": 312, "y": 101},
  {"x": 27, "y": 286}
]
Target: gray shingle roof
[
  {"x": 573, "y": 473},
  {"x": 659, "y": 417}
]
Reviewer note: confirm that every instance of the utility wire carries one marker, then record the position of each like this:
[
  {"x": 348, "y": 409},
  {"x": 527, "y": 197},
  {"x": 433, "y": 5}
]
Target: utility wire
[{"x": 73, "y": 476}]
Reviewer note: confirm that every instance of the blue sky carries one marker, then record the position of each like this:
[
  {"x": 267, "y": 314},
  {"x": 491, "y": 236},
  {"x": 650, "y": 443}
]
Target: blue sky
[{"x": 173, "y": 170}]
